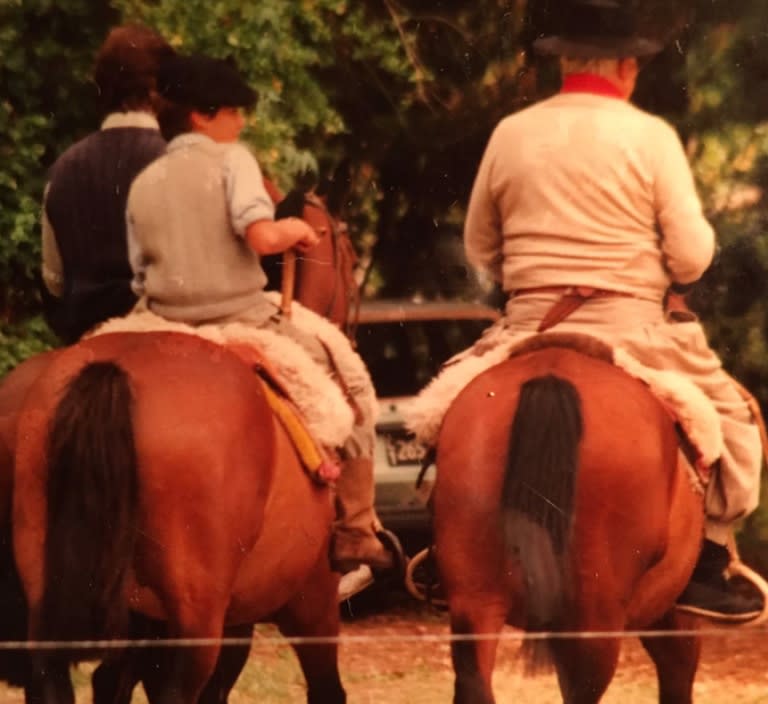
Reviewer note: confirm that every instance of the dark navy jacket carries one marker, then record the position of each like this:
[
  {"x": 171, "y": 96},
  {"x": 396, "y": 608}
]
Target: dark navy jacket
[{"x": 85, "y": 205}]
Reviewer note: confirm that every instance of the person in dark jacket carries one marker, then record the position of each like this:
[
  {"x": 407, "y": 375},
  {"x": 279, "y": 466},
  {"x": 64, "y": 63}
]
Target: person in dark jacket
[{"x": 85, "y": 270}]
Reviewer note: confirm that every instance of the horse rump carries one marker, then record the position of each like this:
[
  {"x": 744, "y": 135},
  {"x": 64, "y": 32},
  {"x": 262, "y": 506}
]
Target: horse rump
[
  {"x": 538, "y": 499},
  {"x": 92, "y": 506}
]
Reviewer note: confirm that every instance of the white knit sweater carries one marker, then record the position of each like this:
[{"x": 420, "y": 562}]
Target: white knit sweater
[{"x": 586, "y": 189}]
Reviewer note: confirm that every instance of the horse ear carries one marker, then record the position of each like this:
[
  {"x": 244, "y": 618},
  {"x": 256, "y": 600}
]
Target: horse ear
[
  {"x": 306, "y": 180},
  {"x": 292, "y": 206}
]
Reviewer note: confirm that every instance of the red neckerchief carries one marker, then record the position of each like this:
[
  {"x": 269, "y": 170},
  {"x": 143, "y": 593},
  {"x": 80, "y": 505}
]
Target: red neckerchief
[{"x": 589, "y": 83}]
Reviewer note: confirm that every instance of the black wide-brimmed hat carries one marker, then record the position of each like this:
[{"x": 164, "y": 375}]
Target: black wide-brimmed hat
[
  {"x": 203, "y": 83},
  {"x": 597, "y": 29}
]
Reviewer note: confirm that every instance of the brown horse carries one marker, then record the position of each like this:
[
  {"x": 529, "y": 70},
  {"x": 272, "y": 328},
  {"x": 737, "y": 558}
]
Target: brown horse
[
  {"x": 13, "y": 619},
  {"x": 562, "y": 504},
  {"x": 152, "y": 478},
  {"x": 325, "y": 280}
]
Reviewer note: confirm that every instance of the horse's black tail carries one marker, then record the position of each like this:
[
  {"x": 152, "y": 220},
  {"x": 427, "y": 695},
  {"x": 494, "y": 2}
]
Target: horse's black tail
[
  {"x": 538, "y": 497},
  {"x": 92, "y": 506}
]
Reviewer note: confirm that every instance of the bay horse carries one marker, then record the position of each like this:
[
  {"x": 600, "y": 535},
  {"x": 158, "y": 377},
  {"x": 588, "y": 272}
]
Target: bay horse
[
  {"x": 324, "y": 283},
  {"x": 324, "y": 278},
  {"x": 152, "y": 478},
  {"x": 14, "y": 665},
  {"x": 562, "y": 504}
]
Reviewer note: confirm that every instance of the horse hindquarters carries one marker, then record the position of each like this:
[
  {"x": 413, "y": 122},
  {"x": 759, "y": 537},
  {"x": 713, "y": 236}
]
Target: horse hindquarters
[
  {"x": 89, "y": 521},
  {"x": 92, "y": 507},
  {"x": 508, "y": 560},
  {"x": 75, "y": 520},
  {"x": 301, "y": 597}
]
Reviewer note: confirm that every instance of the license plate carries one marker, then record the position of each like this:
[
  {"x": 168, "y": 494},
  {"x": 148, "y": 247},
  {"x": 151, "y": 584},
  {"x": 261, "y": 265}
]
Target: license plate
[{"x": 403, "y": 448}]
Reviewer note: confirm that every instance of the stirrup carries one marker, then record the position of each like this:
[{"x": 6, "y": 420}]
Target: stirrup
[
  {"x": 738, "y": 569},
  {"x": 391, "y": 547},
  {"x": 422, "y": 581}
]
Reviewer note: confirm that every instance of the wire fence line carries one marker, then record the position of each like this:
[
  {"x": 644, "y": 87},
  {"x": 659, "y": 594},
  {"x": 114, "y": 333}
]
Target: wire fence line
[{"x": 259, "y": 640}]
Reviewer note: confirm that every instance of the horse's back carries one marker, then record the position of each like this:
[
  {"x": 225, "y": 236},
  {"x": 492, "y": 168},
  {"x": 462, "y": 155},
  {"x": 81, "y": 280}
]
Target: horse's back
[
  {"x": 192, "y": 400},
  {"x": 622, "y": 419}
]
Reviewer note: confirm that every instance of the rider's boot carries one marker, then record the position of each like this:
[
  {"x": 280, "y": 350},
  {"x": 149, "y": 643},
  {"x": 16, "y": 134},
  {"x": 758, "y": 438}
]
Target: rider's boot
[
  {"x": 711, "y": 595},
  {"x": 355, "y": 540}
]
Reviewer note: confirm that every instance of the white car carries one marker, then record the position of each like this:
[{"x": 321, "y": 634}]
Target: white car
[{"x": 404, "y": 344}]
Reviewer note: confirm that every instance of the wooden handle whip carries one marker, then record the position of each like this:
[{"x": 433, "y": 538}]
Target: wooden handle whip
[{"x": 288, "y": 282}]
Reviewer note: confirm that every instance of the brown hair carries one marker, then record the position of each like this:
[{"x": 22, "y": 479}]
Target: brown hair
[
  {"x": 174, "y": 120},
  {"x": 126, "y": 67}
]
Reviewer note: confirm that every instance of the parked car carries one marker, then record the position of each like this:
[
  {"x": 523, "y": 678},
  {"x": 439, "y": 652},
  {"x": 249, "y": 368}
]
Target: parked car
[{"x": 404, "y": 344}]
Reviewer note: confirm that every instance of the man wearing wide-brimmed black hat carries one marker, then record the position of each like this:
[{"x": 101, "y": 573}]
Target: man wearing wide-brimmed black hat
[
  {"x": 199, "y": 219},
  {"x": 584, "y": 208}
]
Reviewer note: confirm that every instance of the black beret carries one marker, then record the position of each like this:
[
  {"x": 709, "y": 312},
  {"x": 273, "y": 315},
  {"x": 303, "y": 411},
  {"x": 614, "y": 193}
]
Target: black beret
[{"x": 203, "y": 83}]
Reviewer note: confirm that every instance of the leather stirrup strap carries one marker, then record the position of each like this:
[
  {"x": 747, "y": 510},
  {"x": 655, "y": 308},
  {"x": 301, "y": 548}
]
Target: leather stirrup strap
[
  {"x": 315, "y": 459},
  {"x": 339, "y": 378}
]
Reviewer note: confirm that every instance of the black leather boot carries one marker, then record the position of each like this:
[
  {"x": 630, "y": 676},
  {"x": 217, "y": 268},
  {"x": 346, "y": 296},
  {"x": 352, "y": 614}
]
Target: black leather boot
[{"x": 709, "y": 593}]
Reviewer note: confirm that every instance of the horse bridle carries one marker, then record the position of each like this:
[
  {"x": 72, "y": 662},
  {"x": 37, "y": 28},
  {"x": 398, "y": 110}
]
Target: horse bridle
[{"x": 353, "y": 302}]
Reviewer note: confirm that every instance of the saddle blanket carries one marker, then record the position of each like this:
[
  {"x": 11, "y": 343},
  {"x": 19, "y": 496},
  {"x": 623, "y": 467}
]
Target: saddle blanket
[{"x": 689, "y": 405}]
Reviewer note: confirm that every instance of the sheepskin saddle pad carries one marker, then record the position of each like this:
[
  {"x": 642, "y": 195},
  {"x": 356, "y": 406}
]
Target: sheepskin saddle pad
[
  {"x": 319, "y": 399},
  {"x": 697, "y": 420}
]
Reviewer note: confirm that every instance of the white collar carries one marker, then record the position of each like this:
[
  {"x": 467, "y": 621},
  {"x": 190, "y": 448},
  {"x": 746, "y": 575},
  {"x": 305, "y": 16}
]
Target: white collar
[
  {"x": 187, "y": 139},
  {"x": 132, "y": 118}
]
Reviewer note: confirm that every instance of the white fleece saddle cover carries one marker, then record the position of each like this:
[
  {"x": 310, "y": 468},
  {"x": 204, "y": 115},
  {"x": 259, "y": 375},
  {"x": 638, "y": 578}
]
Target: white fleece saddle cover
[
  {"x": 318, "y": 397},
  {"x": 694, "y": 412}
]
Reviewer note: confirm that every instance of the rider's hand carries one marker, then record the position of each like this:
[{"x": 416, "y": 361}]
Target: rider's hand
[{"x": 307, "y": 238}]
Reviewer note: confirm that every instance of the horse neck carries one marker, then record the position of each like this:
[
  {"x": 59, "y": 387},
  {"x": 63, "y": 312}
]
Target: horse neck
[{"x": 325, "y": 278}]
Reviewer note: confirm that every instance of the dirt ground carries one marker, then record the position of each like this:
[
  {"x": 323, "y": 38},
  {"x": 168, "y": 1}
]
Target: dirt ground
[
  {"x": 397, "y": 653},
  {"x": 732, "y": 670}
]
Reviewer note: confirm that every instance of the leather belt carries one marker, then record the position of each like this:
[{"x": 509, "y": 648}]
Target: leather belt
[{"x": 571, "y": 298}]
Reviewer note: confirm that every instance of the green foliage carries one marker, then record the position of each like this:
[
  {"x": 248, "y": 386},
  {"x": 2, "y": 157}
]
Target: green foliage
[
  {"x": 22, "y": 340},
  {"x": 281, "y": 48},
  {"x": 728, "y": 137},
  {"x": 729, "y": 140},
  {"x": 46, "y": 102}
]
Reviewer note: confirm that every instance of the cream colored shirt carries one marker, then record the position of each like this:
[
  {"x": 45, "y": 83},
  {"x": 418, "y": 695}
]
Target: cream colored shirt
[{"x": 586, "y": 189}]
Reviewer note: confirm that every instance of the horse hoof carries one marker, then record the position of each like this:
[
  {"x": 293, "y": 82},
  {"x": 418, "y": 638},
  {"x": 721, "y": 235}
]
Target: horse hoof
[{"x": 422, "y": 580}]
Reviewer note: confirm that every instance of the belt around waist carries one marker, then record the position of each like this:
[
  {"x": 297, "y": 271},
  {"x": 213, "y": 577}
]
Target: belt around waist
[{"x": 575, "y": 291}]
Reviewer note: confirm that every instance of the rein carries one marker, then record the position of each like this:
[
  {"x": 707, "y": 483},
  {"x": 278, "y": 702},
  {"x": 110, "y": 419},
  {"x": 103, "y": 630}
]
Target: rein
[{"x": 344, "y": 277}]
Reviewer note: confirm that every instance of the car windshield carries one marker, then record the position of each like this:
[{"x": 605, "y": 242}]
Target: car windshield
[{"x": 403, "y": 356}]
